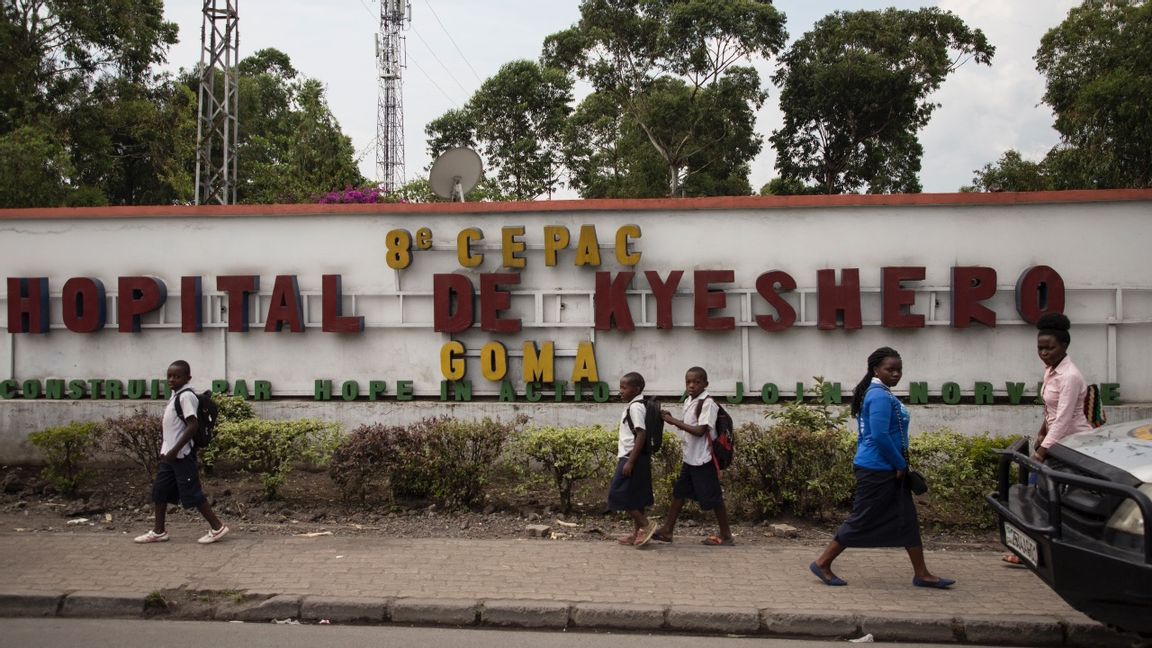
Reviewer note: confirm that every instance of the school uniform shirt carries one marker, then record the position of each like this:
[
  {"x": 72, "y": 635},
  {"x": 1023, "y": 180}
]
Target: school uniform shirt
[
  {"x": 626, "y": 439},
  {"x": 696, "y": 449},
  {"x": 1063, "y": 394},
  {"x": 173, "y": 426}
]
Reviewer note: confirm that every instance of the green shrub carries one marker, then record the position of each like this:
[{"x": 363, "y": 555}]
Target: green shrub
[
  {"x": 65, "y": 448},
  {"x": 136, "y": 437},
  {"x": 271, "y": 448},
  {"x": 960, "y": 470},
  {"x": 446, "y": 460},
  {"x": 666, "y": 466},
  {"x": 804, "y": 471},
  {"x": 232, "y": 408},
  {"x": 569, "y": 455}
]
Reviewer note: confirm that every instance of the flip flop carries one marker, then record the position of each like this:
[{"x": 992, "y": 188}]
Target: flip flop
[
  {"x": 627, "y": 540},
  {"x": 645, "y": 536},
  {"x": 942, "y": 583},
  {"x": 835, "y": 581},
  {"x": 1012, "y": 559},
  {"x": 660, "y": 537},
  {"x": 717, "y": 541}
]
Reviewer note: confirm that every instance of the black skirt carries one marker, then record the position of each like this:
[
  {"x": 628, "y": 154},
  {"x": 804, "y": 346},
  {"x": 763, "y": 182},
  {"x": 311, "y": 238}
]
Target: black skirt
[
  {"x": 883, "y": 513},
  {"x": 631, "y": 493}
]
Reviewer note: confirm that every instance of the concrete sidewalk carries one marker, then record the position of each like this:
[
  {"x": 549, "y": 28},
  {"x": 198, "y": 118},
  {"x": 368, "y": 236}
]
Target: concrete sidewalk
[{"x": 678, "y": 587}]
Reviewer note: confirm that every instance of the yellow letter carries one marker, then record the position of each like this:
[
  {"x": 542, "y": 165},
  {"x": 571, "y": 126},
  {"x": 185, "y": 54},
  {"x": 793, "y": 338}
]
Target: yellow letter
[
  {"x": 625, "y": 257},
  {"x": 494, "y": 361},
  {"x": 588, "y": 248},
  {"x": 464, "y": 247},
  {"x": 452, "y": 360},
  {"x": 556, "y": 238},
  {"x": 512, "y": 245},
  {"x": 538, "y": 365},
  {"x": 423, "y": 239},
  {"x": 585, "y": 368}
]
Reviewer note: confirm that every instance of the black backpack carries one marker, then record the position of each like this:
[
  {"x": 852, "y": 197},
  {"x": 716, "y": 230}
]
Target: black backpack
[
  {"x": 724, "y": 445},
  {"x": 206, "y": 415},
  {"x": 653, "y": 424}
]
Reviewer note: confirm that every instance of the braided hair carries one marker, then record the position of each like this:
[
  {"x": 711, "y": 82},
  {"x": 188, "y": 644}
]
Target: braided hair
[
  {"x": 1057, "y": 325},
  {"x": 874, "y": 360}
]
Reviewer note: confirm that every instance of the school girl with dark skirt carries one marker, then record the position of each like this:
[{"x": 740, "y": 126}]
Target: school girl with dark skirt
[{"x": 883, "y": 513}]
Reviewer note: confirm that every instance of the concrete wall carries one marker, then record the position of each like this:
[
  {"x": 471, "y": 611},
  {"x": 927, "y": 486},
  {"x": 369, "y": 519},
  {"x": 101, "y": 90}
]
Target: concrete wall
[{"x": 1096, "y": 241}]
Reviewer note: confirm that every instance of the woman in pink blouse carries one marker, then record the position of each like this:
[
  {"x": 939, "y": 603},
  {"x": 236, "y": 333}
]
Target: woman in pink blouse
[{"x": 1064, "y": 387}]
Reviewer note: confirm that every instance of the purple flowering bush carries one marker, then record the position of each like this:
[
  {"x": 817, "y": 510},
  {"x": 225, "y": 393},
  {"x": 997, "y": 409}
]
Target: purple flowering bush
[{"x": 357, "y": 196}]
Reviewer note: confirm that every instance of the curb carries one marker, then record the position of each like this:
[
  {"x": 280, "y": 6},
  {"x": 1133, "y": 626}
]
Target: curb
[{"x": 1021, "y": 630}]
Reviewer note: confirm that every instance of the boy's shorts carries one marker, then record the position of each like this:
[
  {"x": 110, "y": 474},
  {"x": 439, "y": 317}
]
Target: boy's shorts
[
  {"x": 700, "y": 483},
  {"x": 178, "y": 482},
  {"x": 632, "y": 493}
]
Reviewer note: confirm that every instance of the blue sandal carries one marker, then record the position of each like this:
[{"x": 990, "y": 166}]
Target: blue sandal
[{"x": 834, "y": 581}]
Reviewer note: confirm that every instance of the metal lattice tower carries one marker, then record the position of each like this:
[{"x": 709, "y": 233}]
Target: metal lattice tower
[
  {"x": 218, "y": 106},
  {"x": 395, "y": 15}
]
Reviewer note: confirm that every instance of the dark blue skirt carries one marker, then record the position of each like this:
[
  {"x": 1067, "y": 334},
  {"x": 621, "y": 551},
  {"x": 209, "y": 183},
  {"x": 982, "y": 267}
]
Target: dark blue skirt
[
  {"x": 883, "y": 513},
  {"x": 631, "y": 493}
]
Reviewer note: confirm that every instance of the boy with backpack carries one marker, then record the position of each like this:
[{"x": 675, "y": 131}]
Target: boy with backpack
[
  {"x": 631, "y": 488},
  {"x": 178, "y": 476},
  {"x": 700, "y": 473}
]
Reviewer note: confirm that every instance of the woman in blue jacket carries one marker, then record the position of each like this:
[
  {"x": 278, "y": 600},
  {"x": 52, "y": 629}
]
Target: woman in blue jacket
[{"x": 883, "y": 513}]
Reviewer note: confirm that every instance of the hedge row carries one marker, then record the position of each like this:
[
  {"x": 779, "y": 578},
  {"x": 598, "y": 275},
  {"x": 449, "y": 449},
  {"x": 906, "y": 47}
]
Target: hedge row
[{"x": 799, "y": 464}]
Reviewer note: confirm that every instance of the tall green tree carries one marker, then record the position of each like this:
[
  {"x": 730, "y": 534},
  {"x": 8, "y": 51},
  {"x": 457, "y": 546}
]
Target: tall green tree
[
  {"x": 664, "y": 64},
  {"x": 74, "y": 77},
  {"x": 516, "y": 119},
  {"x": 854, "y": 93},
  {"x": 1011, "y": 173},
  {"x": 1098, "y": 67}
]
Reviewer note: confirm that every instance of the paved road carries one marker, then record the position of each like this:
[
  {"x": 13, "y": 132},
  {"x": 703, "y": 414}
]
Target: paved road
[{"x": 73, "y": 633}]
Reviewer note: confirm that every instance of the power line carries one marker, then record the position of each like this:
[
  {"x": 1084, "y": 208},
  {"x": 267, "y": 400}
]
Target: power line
[
  {"x": 433, "y": 53},
  {"x": 453, "y": 40},
  {"x": 432, "y": 81}
]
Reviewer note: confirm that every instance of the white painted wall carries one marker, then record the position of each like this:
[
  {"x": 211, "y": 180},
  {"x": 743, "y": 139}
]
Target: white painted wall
[{"x": 1099, "y": 248}]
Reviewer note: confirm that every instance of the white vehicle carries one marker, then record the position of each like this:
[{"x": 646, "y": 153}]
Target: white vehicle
[{"x": 1083, "y": 520}]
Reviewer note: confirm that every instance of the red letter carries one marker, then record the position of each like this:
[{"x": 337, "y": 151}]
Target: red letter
[
  {"x": 493, "y": 300},
  {"x": 707, "y": 300},
  {"x": 138, "y": 296},
  {"x": 663, "y": 292},
  {"x": 766, "y": 286},
  {"x": 84, "y": 305},
  {"x": 611, "y": 301},
  {"x": 970, "y": 286},
  {"x": 835, "y": 301},
  {"x": 27, "y": 305},
  {"x": 191, "y": 305},
  {"x": 238, "y": 287},
  {"x": 285, "y": 307},
  {"x": 333, "y": 319},
  {"x": 1039, "y": 291},
  {"x": 445, "y": 287},
  {"x": 896, "y": 300}
]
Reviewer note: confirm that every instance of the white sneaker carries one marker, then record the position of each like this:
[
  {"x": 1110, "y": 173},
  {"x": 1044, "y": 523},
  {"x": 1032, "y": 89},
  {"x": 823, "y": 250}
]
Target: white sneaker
[
  {"x": 151, "y": 536},
  {"x": 213, "y": 536}
]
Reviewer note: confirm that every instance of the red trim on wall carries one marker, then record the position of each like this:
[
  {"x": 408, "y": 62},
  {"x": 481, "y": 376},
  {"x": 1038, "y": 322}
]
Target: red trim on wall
[{"x": 598, "y": 205}]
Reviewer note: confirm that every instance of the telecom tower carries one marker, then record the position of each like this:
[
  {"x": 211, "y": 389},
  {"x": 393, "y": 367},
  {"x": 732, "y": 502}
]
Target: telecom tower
[
  {"x": 395, "y": 16},
  {"x": 218, "y": 106}
]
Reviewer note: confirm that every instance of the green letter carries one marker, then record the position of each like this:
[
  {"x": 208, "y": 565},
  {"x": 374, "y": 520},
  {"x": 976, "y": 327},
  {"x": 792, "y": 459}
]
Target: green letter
[
  {"x": 917, "y": 393},
  {"x": 770, "y": 394},
  {"x": 1109, "y": 393},
  {"x": 507, "y": 393},
  {"x": 982, "y": 395},
  {"x": 403, "y": 390},
  {"x": 1015, "y": 392},
  {"x": 54, "y": 388},
  {"x": 950, "y": 393},
  {"x": 262, "y": 390},
  {"x": 350, "y": 390},
  {"x": 322, "y": 390},
  {"x": 739, "y": 396},
  {"x": 376, "y": 389}
]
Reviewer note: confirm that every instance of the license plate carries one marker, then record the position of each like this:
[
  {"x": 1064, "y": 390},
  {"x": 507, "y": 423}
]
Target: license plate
[{"x": 1022, "y": 544}]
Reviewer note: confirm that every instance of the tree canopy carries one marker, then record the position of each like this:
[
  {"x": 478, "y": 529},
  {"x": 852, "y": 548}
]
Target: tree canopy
[
  {"x": 664, "y": 66},
  {"x": 1098, "y": 67},
  {"x": 854, "y": 93}
]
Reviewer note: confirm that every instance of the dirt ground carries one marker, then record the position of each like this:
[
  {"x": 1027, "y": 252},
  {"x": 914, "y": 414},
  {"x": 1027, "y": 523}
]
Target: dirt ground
[{"x": 115, "y": 499}]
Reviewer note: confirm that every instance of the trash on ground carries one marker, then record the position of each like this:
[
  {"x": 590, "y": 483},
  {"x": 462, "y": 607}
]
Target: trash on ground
[
  {"x": 865, "y": 639},
  {"x": 567, "y": 524},
  {"x": 324, "y": 622},
  {"x": 314, "y": 534},
  {"x": 107, "y": 517},
  {"x": 77, "y": 521},
  {"x": 285, "y": 621}
]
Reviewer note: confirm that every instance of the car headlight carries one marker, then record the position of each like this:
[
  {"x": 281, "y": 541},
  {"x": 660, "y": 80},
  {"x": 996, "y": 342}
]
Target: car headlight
[{"x": 1128, "y": 517}]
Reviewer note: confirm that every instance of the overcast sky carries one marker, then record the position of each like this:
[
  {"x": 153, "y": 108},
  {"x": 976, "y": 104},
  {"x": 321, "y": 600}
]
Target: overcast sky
[{"x": 453, "y": 45}]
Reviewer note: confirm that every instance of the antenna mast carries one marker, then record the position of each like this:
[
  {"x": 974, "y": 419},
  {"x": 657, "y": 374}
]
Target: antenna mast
[
  {"x": 391, "y": 59},
  {"x": 217, "y": 106}
]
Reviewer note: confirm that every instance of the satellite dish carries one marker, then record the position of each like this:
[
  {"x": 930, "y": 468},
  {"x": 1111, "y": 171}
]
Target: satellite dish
[{"x": 455, "y": 173}]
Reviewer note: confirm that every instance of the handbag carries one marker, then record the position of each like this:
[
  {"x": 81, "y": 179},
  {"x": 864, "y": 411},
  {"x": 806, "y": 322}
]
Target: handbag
[{"x": 916, "y": 482}]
